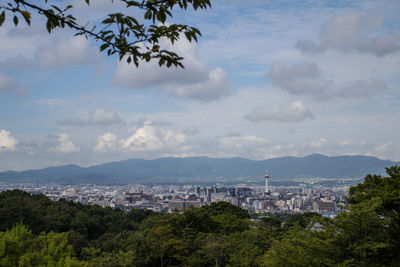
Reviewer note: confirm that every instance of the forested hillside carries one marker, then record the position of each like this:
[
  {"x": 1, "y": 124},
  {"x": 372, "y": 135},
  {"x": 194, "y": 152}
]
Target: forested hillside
[{"x": 38, "y": 232}]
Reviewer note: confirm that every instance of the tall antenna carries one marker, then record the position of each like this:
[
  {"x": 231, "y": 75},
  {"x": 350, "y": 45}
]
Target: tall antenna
[{"x": 266, "y": 182}]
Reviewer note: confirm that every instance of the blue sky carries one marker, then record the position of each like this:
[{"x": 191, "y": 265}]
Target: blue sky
[{"x": 267, "y": 79}]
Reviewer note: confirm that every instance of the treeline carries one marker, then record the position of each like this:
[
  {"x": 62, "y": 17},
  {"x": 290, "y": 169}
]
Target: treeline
[{"x": 35, "y": 231}]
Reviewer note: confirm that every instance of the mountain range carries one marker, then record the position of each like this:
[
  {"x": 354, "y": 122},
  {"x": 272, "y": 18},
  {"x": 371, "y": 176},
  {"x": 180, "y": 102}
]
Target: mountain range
[{"x": 204, "y": 170}]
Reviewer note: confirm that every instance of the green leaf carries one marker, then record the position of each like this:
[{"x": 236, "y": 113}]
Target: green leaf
[
  {"x": 57, "y": 8},
  {"x": 104, "y": 47},
  {"x": 27, "y": 16},
  {"x": 132, "y": 3},
  {"x": 15, "y": 20},
  {"x": 161, "y": 16},
  {"x": 49, "y": 26},
  {"x": 108, "y": 21},
  {"x": 147, "y": 15},
  {"x": 2, "y": 17}
]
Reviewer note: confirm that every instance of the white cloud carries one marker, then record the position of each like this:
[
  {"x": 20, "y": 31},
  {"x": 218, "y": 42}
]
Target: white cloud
[
  {"x": 383, "y": 146},
  {"x": 241, "y": 142},
  {"x": 191, "y": 130},
  {"x": 353, "y": 32},
  {"x": 322, "y": 142},
  {"x": 75, "y": 121},
  {"x": 33, "y": 48},
  {"x": 97, "y": 117},
  {"x": 361, "y": 88},
  {"x": 22, "y": 41},
  {"x": 98, "y": 4},
  {"x": 8, "y": 85},
  {"x": 65, "y": 145},
  {"x": 7, "y": 142},
  {"x": 105, "y": 143},
  {"x": 150, "y": 74},
  {"x": 216, "y": 86},
  {"x": 148, "y": 138},
  {"x": 73, "y": 51},
  {"x": 104, "y": 117},
  {"x": 172, "y": 138},
  {"x": 350, "y": 143},
  {"x": 196, "y": 81},
  {"x": 305, "y": 78},
  {"x": 250, "y": 146},
  {"x": 299, "y": 79},
  {"x": 292, "y": 112},
  {"x": 50, "y": 102}
]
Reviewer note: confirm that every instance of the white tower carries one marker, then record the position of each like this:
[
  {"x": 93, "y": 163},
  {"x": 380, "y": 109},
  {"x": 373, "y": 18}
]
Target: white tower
[{"x": 266, "y": 182}]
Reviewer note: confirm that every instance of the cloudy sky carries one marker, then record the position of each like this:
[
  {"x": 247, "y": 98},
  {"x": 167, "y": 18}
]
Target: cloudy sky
[{"x": 267, "y": 79}]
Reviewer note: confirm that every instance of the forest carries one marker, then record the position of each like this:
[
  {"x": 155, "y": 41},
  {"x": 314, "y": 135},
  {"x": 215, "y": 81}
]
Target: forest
[{"x": 35, "y": 231}]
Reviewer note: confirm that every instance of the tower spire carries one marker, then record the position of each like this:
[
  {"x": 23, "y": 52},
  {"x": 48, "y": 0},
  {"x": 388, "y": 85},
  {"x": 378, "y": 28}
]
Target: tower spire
[{"x": 266, "y": 182}]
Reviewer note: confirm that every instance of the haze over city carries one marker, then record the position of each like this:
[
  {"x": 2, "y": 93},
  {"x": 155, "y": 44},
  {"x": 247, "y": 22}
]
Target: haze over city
[{"x": 266, "y": 79}]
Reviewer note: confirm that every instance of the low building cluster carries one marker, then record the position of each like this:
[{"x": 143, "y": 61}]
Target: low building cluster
[{"x": 165, "y": 198}]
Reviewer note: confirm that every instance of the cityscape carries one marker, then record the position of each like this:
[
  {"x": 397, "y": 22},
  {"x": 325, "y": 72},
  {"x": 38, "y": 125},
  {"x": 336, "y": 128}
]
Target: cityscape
[
  {"x": 323, "y": 199},
  {"x": 198, "y": 133}
]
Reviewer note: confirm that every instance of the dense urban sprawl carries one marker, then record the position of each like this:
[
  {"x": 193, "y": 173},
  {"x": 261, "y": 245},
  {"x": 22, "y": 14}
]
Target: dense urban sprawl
[{"x": 326, "y": 200}]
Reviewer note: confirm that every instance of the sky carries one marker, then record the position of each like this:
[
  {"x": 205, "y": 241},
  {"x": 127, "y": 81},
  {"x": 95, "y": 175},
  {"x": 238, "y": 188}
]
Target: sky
[{"x": 267, "y": 79}]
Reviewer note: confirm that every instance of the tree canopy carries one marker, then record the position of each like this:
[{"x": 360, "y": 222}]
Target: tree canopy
[
  {"x": 36, "y": 231},
  {"x": 133, "y": 39}
]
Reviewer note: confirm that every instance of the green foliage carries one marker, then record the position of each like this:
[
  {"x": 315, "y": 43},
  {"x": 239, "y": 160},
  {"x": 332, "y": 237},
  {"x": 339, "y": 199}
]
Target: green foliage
[
  {"x": 366, "y": 234},
  {"x": 300, "y": 220},
  {"x": 19, "y": 247},
  {"x": 43, "y": 215},
  {"x": 229, "y": 223},
  {"x": 213, "y": 251},
  {"x": 361, "y": 235},
  {"x": 95, "y": 257},
  {"x": 170, "y": 249},
  {"x": 195, "y": 219},
  {"x": 138, "y": 215},
  {"x": 387, "y": 189},
  {"x": 154, "y": 220},
  {"x": 272, "y": 222},
  {"x": 223, "y": 207},
  {"x": 19, "y": 206},
  {"x": 382, "y": 195},
  {"x": 132, "y": 39},
  {"x": 300, "y": 248},
  {"x": 248, "y": 247}
]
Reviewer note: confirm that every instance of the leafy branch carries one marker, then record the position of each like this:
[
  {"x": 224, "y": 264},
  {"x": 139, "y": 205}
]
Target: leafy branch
[{"x": 121, "y": 34}]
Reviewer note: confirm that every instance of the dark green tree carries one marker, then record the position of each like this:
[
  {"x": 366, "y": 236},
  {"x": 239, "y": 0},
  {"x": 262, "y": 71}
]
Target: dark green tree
[
  {"x": 214, "y": 250},
  {"x": 248, "y": 247},
  {"x": 301, "y": 247},
  {"x": 138, "y": 215},
  {"x": 223, "y": 207},
  {"x": 361, "y": 236},
  {"x": 170, "y": 250},
  {"x": 365, "y": 234},
  {"x": 134, "y": 39},
  {"x": 19, "y": 247},
  {"x": 195, "y": 219},
  {"x": 382, "y": 194}
]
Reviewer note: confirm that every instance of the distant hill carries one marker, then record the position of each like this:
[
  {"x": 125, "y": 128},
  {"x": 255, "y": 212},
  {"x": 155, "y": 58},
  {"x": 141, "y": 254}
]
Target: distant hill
[{"x": 204, "y": 169}]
